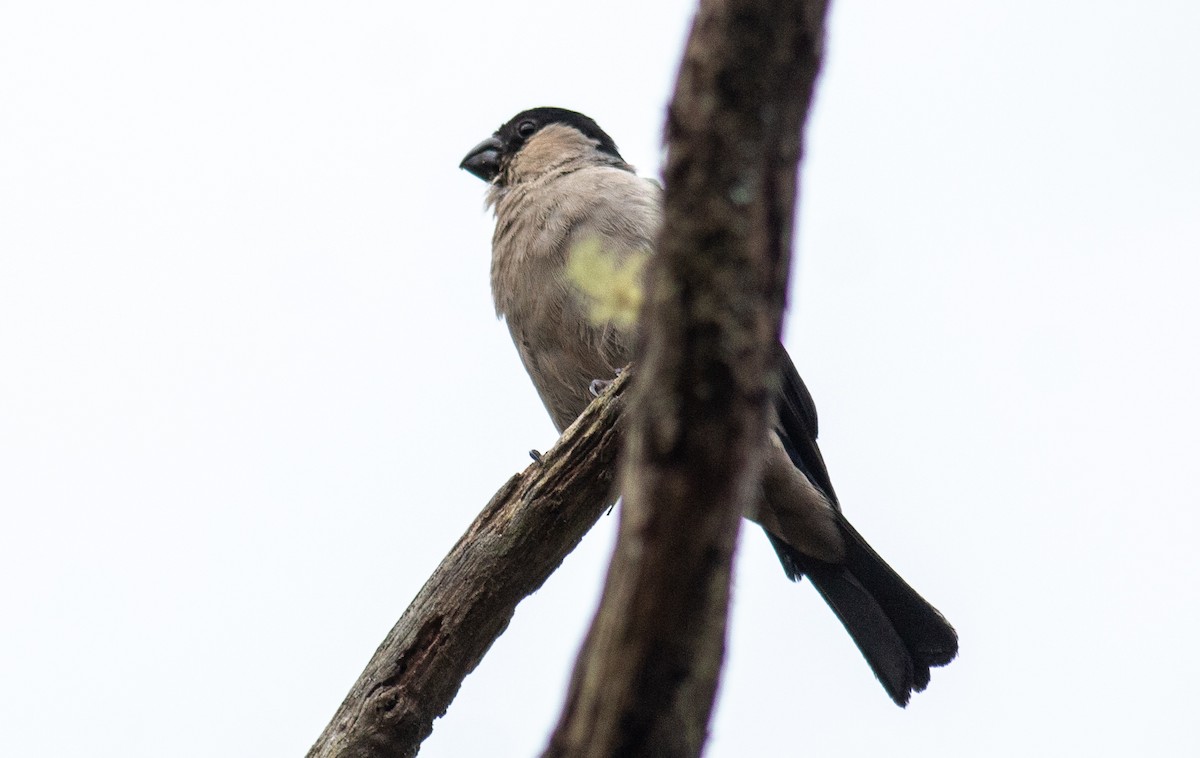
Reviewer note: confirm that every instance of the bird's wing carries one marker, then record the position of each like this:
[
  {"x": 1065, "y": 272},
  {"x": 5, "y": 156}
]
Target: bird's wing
[{"x": 796, "y": 425}]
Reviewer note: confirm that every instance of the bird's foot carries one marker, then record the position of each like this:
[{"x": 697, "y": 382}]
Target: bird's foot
[{"x": 598, "y": 386}]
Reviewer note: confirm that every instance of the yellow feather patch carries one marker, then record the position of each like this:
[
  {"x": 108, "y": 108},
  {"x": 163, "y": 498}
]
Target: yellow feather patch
[{"x": 610, "y": 283}]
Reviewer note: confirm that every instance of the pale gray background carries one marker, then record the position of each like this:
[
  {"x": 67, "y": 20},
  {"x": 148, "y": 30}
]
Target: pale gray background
[{"x": 252, "y": 388}]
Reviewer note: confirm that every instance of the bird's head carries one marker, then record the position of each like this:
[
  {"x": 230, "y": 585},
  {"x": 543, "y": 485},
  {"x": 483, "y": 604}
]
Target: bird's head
[{"x": 540, "y": 134}]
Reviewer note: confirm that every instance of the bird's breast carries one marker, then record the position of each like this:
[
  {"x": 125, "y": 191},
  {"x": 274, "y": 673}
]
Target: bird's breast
[{"x": 560, "y": 342}]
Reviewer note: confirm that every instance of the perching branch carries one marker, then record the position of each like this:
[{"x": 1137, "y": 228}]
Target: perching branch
[
  {"x": 518, "y": 540},
  {"x": 646, "y": 677}
]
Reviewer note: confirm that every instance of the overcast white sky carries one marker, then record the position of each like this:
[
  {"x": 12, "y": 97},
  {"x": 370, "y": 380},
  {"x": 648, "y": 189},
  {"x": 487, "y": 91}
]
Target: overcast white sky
[{"x": 252, "y": 389}]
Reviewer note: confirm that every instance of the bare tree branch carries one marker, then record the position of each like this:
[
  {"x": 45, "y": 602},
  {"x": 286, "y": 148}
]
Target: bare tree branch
[
  {"x": 645, "y": 680},
  {"x": 518, "y": 540},
  {"x": 646, "y": 677}
]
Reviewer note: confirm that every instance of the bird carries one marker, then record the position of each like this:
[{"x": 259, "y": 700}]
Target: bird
[{"x": 557, "y": 184}]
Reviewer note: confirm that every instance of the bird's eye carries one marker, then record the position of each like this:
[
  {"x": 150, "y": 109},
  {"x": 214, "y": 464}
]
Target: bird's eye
[{"x": 526, "y": 128}]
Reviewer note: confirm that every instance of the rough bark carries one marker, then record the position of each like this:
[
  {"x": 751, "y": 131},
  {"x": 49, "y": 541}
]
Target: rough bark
[
  {"x": 515, "y": 543},
  {"x": 645, "y": 680}
]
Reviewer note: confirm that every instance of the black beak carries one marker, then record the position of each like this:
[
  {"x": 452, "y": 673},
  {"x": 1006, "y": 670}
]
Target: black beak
[{"x": 484, "y": 159}]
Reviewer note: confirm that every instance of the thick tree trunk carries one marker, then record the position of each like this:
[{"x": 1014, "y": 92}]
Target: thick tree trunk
[
  {"x": 646, "y": 677},
  {"x": 518, "y": 540}
]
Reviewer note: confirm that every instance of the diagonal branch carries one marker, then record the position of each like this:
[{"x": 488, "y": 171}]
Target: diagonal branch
[{"x": 515, "y": 543}]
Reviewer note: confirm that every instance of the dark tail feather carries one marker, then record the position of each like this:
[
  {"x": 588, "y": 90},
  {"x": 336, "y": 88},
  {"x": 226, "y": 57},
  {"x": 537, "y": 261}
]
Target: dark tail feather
[{"x": 899, "y": 633}]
